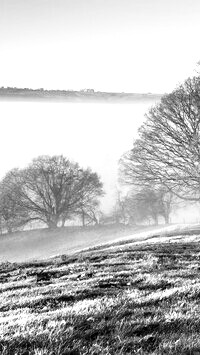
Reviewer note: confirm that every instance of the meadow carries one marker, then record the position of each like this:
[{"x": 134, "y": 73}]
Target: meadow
[{"x": 129, "y": 297}]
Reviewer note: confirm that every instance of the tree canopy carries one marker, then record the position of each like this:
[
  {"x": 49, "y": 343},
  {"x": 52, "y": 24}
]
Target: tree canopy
[
  {"x": 167, "y": 152},
  {"x": 51, "y": 189}
]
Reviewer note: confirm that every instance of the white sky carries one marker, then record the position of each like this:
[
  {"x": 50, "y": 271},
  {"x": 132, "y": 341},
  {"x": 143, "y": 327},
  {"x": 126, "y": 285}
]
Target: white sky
[
  {"x": 107, "y": 45},
  {"x": 117, "y": 45}
]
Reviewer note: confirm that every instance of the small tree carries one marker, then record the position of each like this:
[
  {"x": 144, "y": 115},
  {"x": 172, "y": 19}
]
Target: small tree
[
  {"x": 88, "y": 204},
  {"x": 89, "y": 213},
  {"x": 119, "y": 212},
  {"x": 147, "y": 204}
]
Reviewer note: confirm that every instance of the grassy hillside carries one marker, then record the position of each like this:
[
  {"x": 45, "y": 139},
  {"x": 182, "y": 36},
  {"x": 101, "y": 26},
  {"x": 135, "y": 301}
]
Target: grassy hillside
[
  {"x": 124, "y": 298},
  {"x": 43, "y": 243}
]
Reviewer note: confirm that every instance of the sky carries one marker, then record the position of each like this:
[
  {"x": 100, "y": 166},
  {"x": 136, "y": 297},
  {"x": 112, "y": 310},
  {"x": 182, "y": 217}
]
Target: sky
[
  {"x": 108, "y": 45},
  {"x": 136, "y": 46}
]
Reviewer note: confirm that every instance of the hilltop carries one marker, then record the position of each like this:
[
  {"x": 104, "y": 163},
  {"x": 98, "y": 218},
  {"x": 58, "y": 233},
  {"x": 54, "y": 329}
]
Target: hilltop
[{"x": 88, "y": 95}]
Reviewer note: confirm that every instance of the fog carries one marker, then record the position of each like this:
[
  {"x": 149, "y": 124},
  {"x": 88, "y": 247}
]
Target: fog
[{"x": 93, "y": 134}]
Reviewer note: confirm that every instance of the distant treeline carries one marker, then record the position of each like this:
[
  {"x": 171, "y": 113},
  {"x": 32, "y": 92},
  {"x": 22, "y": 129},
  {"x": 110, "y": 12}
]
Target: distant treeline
[{"x": 70, "y": 95}]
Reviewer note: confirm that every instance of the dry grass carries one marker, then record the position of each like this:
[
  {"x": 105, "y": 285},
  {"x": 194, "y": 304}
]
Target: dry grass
[{"x": 134, "y": 299}]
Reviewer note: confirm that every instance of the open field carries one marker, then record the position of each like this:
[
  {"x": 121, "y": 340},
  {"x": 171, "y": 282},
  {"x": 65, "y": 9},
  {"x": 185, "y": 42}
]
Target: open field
[{"x": 133, "y": 297}]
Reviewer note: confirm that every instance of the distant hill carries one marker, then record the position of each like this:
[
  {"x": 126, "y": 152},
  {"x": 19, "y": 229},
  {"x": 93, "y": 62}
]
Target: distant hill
[{"x": 88, "y": 95}]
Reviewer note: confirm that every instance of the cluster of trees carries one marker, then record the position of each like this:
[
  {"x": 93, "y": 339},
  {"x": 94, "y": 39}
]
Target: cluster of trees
[
  {"x": 51, "y": 190},
  {"x": 141, "y": 205},
  {"x": 165, "y": 159}
]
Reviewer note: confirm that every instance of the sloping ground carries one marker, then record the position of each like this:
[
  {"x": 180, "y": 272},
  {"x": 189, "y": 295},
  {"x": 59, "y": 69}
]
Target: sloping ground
[
  {"x": 133, "y": 298},
  {"x": 42, "y": 243}
]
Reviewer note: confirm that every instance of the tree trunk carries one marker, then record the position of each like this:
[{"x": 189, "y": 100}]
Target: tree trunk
[
  {"x": 52, "y": 224},
  {"x": 63, "y": 222},
  {"x": 9, "y": 228},
  {"x": 156, "y": 220},
  {"x": 166, "y": 217},
  {"x": 95, "y": 219},
  {"x": 83, "y": 218}
]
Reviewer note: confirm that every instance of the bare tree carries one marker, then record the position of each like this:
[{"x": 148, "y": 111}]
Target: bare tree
[
  {"x": 52, "y": 188},
  {"x": 147, "y": 204},
  {"x": 89, "y": 212},
  {"x": 119, "y": 211},
  {"x": 88, "y": 205},
  {"x": 167, "y": 153}
]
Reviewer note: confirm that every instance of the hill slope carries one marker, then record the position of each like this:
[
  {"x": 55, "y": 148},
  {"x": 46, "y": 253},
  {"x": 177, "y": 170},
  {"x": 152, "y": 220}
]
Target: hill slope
[
  {"x": 130, "y": 298},
  {"x": 43, "y": 243}
]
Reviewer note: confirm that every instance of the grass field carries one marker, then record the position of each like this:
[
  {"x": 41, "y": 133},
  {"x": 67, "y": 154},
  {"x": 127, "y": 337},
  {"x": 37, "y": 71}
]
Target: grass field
[
  {"x": 125, "y": 298},
  {"x": 44, "y": 243}
]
